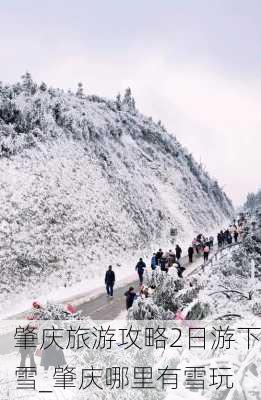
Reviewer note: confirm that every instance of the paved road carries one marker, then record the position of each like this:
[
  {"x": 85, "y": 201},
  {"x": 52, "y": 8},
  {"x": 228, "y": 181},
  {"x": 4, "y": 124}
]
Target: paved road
[{"x": 104, "y": 308}]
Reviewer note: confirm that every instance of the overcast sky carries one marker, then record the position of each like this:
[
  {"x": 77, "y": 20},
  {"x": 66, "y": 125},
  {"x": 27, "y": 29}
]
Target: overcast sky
[{"x": 194, "y": 64}]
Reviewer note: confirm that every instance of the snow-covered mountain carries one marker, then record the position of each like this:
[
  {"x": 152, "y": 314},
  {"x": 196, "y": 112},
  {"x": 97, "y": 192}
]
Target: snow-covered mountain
[{"x": 86, "y": 181}]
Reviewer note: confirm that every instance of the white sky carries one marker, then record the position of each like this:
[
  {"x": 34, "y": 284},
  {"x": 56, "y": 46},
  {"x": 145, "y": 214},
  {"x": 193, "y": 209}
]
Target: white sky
[{"x": 196, "y": 65}]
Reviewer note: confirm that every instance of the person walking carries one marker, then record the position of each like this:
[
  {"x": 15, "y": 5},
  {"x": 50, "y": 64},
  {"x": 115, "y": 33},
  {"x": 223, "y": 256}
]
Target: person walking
[
  {"x": 130, "y": 296},
  {"x": 190, "y": 253},
  {"x": 159, "y": 255},
  {"x": 219, "y": 239},
  {"x": 236, "y": 236},
  {"x": 178, "y": 252},
  {"x": 206, "y": 253},
  {"x": 222, "y": 235},
  {"x": 163, "y": 264},
  {"x": 154, "y": 262},
  {"x": 109, "y": 281},
  {"x": 229, "y": 238},
  {"x": 180, "y": 269},
  {"x": 140, "y": 269}
]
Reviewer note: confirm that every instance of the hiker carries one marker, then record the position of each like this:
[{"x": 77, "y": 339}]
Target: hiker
[
  {"x": 109, "y": 281},
  {"x": 195, "y": 245},
  {"x": 178, "y": 252},
  {"x": 229, "y": 238},
  {"x": 163, "y": 264},
  {"x": 219, "y": 239},
  {"x": 159, "y": 255},
  {"x": 199, "y": 237},
  {"x": 140, "y": 269},
  {"x": 236, "y": 236},
  {"x": 180, "y": 269},
  {"x": 170, "y": 258},
  {"x": 222, "y": 236},
  {"x": 130, "y": 296},
  {"x": 154, "y": 262},
  {"x": 211, "y": 241},
  {"x": 190, "y": 253},
  {"x": 206, "y": 252}
]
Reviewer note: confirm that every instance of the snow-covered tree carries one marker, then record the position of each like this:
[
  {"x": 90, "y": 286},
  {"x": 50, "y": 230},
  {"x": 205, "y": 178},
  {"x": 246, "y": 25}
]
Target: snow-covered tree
[
  {"x": 43, "y": 87},
  {"x": 118, "y": 101},
  {"x": 128, "y": 101},
  {"x": 28, "y": 85},
  {"x": 79, "y": 92}
]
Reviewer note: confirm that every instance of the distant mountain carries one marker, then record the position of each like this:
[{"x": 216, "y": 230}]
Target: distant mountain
[{"x": 86, "y": 181}]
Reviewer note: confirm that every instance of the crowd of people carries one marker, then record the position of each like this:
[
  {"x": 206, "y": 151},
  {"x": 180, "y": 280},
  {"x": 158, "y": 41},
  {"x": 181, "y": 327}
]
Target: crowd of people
[
  {"x": 165, "y": 261},
  {"x": 231, "y": 234}
]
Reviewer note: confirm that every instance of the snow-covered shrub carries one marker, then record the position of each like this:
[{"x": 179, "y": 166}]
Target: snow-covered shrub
[
  {"x": 53, "y": 311},
  {"x": 146, "y": 309}
]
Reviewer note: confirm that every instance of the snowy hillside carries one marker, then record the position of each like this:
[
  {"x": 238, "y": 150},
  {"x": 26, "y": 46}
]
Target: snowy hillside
[{"x": 86, "y": 181}]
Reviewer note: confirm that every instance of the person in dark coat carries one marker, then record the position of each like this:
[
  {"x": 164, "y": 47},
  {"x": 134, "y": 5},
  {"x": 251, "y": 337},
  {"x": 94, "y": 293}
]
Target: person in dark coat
[
  {"x": 163, "y": 262},
  {"x": 219, "y": 239},
  {"x": 226, "y": 236},
  {"x": 109, "y": 281},
  {"x": 236, "y": 236},
  {"x": 206, "y": 252},
  {"x": 130, "y": 296},
  {"x": 154, "y": 262},
  {"x": 178, "y": 252},
  {"x": 159, "y": 255},
  {"x": 180, "y": 269},
  {"x": 229, "y": 238},
  {"x": 190, "y": 253},
  {"x": 222, "y": 235},
  {"x": 140, "y": 269}
]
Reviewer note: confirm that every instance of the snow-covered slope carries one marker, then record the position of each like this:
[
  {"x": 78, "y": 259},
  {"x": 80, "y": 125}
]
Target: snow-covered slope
[{"x": 86, "y": 181}]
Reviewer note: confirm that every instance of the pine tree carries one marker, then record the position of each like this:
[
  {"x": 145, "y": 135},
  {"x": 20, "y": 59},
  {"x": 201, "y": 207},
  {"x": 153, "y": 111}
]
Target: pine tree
[
  {"x": 128, "y": 101},
  {"x": 118, "y": 101},
  {"x": 28, "y": 85}
]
